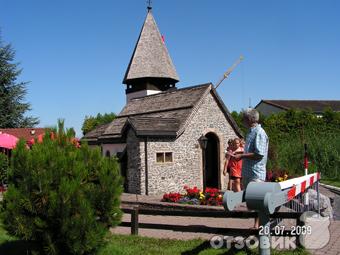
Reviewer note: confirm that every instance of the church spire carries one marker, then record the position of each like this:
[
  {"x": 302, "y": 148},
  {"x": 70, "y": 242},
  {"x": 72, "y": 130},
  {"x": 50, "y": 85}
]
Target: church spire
[{"x": 150, "y": 64}]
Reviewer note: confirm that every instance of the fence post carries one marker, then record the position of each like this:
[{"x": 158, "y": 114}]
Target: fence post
[
  {"x": 318, "y": 195},
  {"x": 134, "y": 221}
]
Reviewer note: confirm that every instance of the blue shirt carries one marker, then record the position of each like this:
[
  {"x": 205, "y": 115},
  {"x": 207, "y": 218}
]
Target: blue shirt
[{"x": 256, "y": 142}]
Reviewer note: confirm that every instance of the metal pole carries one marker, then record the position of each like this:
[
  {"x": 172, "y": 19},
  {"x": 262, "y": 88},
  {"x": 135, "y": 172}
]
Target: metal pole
[
  {"x": 306, "y": 200},
  {"x": 228, "y": 72},
  {"x": 318, "y": 195},
  {"x": 264, "y": 234},
  {"x": 204, "y": 170}
]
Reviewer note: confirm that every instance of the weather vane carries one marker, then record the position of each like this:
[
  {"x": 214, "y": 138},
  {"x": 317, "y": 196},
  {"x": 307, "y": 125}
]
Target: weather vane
[{"x": 149, "y": 2}]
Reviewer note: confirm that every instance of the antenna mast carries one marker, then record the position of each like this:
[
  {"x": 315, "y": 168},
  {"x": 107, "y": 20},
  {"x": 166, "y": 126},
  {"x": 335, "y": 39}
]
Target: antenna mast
[{"x": 228, "y": 72}]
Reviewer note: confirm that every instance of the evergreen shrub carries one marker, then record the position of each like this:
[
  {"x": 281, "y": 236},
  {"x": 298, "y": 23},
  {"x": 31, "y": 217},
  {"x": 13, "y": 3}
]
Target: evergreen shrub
[
  {"x": 3, "y": 168},
  {"x": 62, "y": 197}
]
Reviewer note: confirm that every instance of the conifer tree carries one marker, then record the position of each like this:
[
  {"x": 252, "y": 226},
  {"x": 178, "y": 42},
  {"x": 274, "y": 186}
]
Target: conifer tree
[
  {"x": 12, "y": 92},
  {"x": 3, "y": 169},
  {"x": 63, "y": 197}
]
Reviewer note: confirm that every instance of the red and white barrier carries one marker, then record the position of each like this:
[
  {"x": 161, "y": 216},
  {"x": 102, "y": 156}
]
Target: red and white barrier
[{"x": 299, "y": 185}]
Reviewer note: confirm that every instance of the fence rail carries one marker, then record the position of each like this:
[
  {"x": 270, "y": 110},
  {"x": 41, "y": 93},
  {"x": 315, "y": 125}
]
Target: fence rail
[{"x": 136, "y": 211}]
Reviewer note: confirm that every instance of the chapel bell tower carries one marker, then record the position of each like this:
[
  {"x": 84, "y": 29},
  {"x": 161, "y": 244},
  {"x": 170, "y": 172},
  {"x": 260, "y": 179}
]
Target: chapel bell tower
[{"x": 150, "y": 70}]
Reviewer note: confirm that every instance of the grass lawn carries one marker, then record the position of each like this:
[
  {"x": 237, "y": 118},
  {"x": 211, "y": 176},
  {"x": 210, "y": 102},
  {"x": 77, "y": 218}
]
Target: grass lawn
[
  {"x": 135, "y": 245},
  {"x": 4, "y": 236},
  {"x": 126, "y": 245},
  {"x": 333, "y": 182}
]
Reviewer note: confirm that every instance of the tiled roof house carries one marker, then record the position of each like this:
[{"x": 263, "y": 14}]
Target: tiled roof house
[
  {"x": 24, "y": 133},
  {"x": 267, "y": 107}
]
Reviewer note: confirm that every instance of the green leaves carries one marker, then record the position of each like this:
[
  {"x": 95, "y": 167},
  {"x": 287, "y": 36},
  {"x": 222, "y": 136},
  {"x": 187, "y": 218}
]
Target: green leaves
[
  {"x": 90, "y": 122},
  {"x": 3, "y": 168},
  {"x": 288, "y": 131},
  {"x": 61, "y": 196}
]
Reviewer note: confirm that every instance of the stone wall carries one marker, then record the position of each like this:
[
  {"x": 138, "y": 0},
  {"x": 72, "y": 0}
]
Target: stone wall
[
  {"x": 186, "y": 168},
  {"x": 134, "y": 164}
]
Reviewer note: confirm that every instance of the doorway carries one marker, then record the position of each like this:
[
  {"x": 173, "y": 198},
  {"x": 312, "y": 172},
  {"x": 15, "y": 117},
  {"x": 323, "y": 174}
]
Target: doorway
[
  {"x": 123, "y": 160},
  {"x": 211, "y": 162}
]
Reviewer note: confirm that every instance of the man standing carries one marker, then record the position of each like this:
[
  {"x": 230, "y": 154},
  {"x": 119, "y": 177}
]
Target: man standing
[{"x": 255, "y": 151}]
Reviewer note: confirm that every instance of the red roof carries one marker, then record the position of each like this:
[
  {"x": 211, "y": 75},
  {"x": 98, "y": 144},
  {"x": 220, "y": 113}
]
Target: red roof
[{"x": 25, "y": 133}]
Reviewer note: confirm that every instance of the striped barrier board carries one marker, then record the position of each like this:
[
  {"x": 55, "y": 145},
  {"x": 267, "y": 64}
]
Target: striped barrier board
[
  {"x": 267, "y": 197},
  {"x": 299, "y": 185}
]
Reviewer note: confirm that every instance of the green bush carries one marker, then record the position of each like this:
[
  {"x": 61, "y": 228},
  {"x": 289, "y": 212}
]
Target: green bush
[
  {"x": 3, "y": 168},
  {"x": 64, "y": 198},
  {"x": 288, "y": 131}
]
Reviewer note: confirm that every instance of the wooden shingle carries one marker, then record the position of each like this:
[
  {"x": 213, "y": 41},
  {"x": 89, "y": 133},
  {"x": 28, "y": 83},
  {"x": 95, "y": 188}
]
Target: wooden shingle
[
  {"x": 163, "y": 114},
  {"x": 150, "y": 58}
]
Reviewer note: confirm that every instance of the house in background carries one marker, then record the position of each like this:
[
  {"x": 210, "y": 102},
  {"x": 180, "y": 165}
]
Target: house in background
[
  {"x": 10, "y": 136},
  {"x": 267, "y": 107},
  {"x": 28, "y": 134},
  {"x": 165, "y": 137}
]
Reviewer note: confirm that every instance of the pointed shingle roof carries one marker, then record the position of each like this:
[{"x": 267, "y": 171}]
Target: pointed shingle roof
[{"x": 150, "y": 58}]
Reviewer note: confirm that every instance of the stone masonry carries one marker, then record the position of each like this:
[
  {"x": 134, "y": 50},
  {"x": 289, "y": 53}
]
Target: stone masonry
[{"x": 187, "y": 165}]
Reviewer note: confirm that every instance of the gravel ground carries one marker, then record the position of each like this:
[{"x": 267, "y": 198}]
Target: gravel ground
[{"x": 183, "y": 221}]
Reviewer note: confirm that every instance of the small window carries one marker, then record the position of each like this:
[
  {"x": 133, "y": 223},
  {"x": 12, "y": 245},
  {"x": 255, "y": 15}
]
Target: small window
[
  {"x": 160, "y": 157},
  {"x": 168, "y": 156},
  {"x": 164, "y": 157}
]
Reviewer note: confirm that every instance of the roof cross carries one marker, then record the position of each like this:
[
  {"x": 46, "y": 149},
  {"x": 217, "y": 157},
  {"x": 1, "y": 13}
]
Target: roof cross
[{"x": 149, "y": 2}]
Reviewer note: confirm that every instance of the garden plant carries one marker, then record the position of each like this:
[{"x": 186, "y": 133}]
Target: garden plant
[{"x": 61, "y": 197}]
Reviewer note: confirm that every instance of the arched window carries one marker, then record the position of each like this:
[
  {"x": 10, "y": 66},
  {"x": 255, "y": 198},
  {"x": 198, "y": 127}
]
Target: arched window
[{"x": 107, "y": 154}]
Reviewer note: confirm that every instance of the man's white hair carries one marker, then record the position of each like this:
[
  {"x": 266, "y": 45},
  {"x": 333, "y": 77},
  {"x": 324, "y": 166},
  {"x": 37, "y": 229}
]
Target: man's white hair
[{"x": 252, "y": 115}]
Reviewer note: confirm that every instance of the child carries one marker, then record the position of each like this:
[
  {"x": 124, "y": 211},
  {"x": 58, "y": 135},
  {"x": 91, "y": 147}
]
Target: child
[
  {"x": 235, "y": 166},
  {"x": 226, "y": 168}
]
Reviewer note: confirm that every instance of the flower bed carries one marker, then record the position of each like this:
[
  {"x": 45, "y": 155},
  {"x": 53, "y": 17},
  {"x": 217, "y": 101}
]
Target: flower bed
[
  {"x": 195, "y": 196},
  {"x": 277, "y": 176}
]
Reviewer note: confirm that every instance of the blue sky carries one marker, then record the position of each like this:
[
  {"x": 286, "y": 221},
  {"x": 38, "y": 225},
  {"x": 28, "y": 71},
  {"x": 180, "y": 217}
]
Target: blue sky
[{"x": 75, "y": 52}]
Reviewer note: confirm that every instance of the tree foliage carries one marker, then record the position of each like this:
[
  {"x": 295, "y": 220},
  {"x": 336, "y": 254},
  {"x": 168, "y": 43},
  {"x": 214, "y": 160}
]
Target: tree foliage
[
  {"x": 12, "y": 93},
  {"x": 64, "y": 198},
  {"x": 238, "y": 118},
  {"x": 91, "y": 122},
  {"x": 288, "y": 131},
  {"x": 3, "y": 168}
]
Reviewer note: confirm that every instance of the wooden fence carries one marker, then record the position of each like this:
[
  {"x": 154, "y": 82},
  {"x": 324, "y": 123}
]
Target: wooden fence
[{"x": 136, "y": 211}]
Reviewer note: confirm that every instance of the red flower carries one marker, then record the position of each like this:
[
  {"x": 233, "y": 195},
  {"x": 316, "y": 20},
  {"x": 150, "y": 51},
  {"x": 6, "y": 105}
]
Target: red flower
[
  {"x": 212, "y": 196},
  {"x": 192, "y": 193},
  {"x": 171, "y": 197}
]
